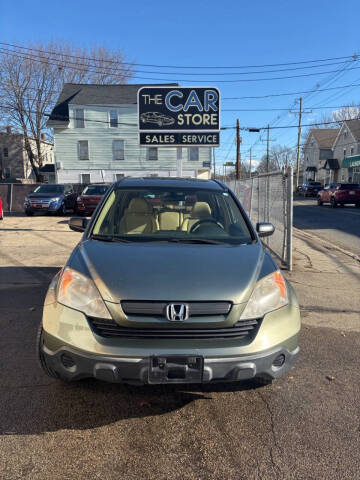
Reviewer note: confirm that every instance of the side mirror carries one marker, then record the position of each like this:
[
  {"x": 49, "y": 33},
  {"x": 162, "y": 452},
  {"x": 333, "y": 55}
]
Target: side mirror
[
  {"x": 265, "y": 229},
  {"x": 78, "y": 224}
]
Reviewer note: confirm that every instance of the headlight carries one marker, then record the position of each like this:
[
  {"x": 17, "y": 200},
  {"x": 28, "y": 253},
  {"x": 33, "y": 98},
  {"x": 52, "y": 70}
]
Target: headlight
[
  {"x": 270, "y": 293},
  {"x": 55, "y": 199},
  {"x": 26, "y": 199},
  {"x": 79, "y": 292}
]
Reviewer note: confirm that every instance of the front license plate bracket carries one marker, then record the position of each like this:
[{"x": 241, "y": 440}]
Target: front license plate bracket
[{"x": 176, "y": 369}]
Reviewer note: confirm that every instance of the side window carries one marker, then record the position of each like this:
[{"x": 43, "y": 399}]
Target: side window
[
  {"x": 118, "y": 150},
  {"x": 6, "y": 152},
  {"x": 83, "y": 149},
  {"x": 85, "y": 178},
  {"x": 152, "y": 153},
  {"x": 79, "y": 118},
  {"x": 113, "y": 118},
  {"x": 193, "y": 154}
]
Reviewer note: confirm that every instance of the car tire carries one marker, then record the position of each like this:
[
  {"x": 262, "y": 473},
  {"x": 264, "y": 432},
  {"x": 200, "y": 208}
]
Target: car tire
[
  {"x": 42, "y": 360},
  {"x": 29, "y": 213},
  {"x": 333, "y": 202},
  {"x": 319, "y": 201},
  {"x": 62, "y": 210}
]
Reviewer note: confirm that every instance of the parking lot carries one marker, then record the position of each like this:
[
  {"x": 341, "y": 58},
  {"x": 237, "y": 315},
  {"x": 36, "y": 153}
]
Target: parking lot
[{"x": 304, "y": 426}]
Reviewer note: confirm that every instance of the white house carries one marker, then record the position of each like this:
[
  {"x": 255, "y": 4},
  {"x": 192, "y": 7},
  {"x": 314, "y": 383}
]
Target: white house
[{"x": 96, "y": 139}]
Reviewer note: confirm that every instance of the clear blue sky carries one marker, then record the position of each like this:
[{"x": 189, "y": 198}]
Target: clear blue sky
[{"x": 212, "y": 33}]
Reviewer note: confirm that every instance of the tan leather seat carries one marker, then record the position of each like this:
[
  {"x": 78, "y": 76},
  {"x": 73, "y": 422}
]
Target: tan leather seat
[
  {"x": 199, "y": 211},
  {"x": 170, "y": 220},
  {"x": 138, "y": 218}
]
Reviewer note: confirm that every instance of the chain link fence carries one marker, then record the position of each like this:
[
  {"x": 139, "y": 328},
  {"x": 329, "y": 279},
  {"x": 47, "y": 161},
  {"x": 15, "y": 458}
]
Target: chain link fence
[{"x": 269, "y": 198}]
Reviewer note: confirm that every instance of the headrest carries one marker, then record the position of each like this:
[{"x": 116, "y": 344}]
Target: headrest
[
  {"x": 138, "y": 205},
  {"x": 201, "y": 210}
]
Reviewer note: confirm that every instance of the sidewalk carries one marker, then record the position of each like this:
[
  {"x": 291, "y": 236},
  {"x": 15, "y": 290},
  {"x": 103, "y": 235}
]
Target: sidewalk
[{"x": 327, "y": 284}]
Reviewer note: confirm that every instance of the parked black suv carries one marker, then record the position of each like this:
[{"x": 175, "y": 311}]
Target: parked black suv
[
  {"x": 50, "y": 198},
  {"x": 310, "y": 188}
]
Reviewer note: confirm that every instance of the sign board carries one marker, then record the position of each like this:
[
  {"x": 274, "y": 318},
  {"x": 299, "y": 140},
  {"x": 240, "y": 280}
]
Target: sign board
[{"x": 179, "y": 116}]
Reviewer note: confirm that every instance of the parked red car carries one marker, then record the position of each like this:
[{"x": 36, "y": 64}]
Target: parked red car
[
  {"x": 1, "y": 209},
  {"x": 90, "y": 197},
  {"x": 340, "y": 194}
]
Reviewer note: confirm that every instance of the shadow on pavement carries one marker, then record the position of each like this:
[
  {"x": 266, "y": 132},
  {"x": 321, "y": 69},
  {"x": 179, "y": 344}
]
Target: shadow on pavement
[{"x": 32, "y": 403}]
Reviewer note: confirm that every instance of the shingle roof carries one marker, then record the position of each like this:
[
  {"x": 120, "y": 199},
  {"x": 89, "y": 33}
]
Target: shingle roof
[
  {"x": 83, "y": 94},
  {"x": 354, "y": 127},
  {"x": 324, "y": 137}
]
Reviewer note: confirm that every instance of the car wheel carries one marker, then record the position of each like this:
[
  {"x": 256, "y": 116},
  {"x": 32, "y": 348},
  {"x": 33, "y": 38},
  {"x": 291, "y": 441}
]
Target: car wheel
[
  {"x": 42, "y": 360},
  {"x": 62, "y": 210},
  {"x": 29, "y": 213},
  {"x": 333, "y": 202},
  {"x": 319, "y": 201}
]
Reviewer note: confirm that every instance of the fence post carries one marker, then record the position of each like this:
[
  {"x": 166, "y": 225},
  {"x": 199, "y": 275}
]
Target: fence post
[
  {"x": 290, "y": 181},
  {"x": 11, "y": 196}
]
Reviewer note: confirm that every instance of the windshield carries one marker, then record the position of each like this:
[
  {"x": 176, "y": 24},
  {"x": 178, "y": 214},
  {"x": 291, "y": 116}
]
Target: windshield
[
  {"x": 49, "y": 189},
  {"x": 160, "y": 214},
  {"x": 95, "y": 190}
]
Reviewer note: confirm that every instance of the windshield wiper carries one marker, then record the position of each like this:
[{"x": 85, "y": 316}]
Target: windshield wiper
[
  {"x": 196, "y": 240},
  {"x": 109, "y": 238}
]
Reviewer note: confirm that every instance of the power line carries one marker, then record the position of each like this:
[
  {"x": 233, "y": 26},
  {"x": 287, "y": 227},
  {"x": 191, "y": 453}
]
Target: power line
[
  {"x": 290, "y": 93},
  {"x": 354, "y": 57},
  {"x": 283, "y": 109},
  {"x": 89, "y": 69}
]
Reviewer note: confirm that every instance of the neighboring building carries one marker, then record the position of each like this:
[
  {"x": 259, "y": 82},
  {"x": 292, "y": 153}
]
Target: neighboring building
[
  {"x": 346, "y": 150},
  {"x": 14, "y": 161},
  {"x": 319, "y": 163},
  {"x": 96, "y": 139}
]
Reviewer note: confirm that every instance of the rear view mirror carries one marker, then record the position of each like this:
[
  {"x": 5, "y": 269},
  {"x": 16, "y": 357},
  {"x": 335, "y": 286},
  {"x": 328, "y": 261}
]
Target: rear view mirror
[
  {"x": 265, "y": 229},
  {"x": 78, "y": 224}
]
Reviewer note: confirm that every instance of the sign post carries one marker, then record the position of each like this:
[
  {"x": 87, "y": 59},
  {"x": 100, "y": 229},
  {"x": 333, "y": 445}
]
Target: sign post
[{"x": 179, "y": 116}]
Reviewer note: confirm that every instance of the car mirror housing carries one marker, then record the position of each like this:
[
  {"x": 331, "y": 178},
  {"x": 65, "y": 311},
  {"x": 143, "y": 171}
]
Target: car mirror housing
[
  {"x": 78, "y": 224},
  {"x": 265, "y": 229}
]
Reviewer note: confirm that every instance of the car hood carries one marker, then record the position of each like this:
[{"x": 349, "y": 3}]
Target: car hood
[
  {"x": 44, "y": 195},
  {"x": 171, "y": 272}
]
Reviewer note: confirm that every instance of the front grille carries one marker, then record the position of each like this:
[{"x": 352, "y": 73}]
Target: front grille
[
  {"x": 145, "y": 308},
  {"x": 109, "y": 328}
]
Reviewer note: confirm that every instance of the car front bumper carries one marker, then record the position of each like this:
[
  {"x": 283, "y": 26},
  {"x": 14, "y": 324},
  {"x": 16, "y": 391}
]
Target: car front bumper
[
  {"x": 75, "y": 365},
  {"x": 32, "y": 207}
]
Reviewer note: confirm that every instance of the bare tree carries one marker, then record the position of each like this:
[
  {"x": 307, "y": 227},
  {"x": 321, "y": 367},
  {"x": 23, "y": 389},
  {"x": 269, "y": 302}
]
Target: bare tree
[
  {"x": 279, "y": 157},
  {"x": 31, "y": 80}
]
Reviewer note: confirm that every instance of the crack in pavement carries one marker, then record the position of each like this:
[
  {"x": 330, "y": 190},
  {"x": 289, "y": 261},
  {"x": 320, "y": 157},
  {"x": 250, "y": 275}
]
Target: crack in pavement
[{"x": 272, "y": 428}]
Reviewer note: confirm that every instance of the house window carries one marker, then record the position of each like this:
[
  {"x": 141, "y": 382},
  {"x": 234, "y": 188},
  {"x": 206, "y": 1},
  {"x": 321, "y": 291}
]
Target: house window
[
  {"x": 7, "y": 172},
  {"x": 119, "y": 176},
  {"x": 118, "y": 150},
  {"x": 6, "y": 152},
  {"x": 344, "y": 152},
  {"x": 85, "y": 178},
  {"x": 152, "y": 153},
  {"x": 79, "y": 118},
  {"x": 345, "y": 133},
  {"x": 178, "y": 153},
  {"x": 194, "y": 154},
  {"x": 351, "y": 151},
  {"x": 83, "y": 149},
  {"x": 113, "y": 118}
]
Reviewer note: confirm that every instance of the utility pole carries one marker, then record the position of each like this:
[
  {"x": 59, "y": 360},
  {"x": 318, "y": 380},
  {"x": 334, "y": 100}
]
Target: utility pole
[
  {"x": 267, "y": 149},
  {"x": 298, "y": 144},
  {"x": 213, "y": 153},
  {"x": 250, "y": 162},
  {"x": 238, "y": 154}
]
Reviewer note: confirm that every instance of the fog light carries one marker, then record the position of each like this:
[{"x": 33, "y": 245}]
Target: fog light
[
  {"x": 279, "y": 360},
  {"x": 67, "y": 361}
]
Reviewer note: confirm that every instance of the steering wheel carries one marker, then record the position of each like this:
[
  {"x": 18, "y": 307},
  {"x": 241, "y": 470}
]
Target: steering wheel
[{"x": 205, "y": 220}]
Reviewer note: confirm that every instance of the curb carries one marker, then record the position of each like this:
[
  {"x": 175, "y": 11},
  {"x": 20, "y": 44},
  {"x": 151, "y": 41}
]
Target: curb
[{"x": 298, "y": 232}]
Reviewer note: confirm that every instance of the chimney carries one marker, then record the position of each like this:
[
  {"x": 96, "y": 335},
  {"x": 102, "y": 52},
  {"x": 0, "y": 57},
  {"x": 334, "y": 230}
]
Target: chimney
[
  {"x": 43, "y": 137},
  {"x": 8, "y": 129}
]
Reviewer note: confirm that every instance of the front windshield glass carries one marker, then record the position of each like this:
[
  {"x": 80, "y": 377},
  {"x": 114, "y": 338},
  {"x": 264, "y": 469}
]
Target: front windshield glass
[
  {"x": 49, "y": 189},
  {"x": 160, "y": 214},
  {"x": 95, "y": 190}
]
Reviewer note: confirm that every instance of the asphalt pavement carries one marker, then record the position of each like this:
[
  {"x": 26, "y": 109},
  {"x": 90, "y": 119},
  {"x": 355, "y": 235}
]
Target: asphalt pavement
[
  {"x": 304, "y": 426},
  {"x": 340, "y": 225}
]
